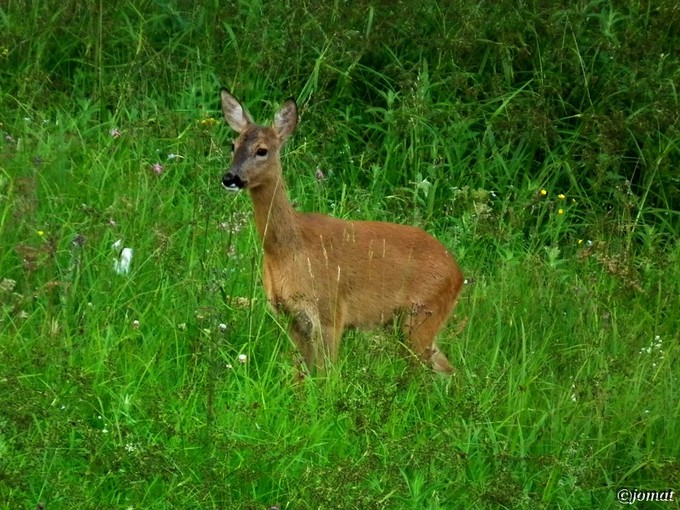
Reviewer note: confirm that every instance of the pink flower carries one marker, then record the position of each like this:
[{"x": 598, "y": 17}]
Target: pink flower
[{"x": 157, "y": 168}]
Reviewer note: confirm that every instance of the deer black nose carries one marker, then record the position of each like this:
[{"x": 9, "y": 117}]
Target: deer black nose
[{"x": 232, "y": 181}]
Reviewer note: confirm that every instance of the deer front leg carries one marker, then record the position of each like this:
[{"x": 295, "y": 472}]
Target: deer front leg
[
  {"x": 318, "y": 340},
  {"x": 302, "y": 332}
]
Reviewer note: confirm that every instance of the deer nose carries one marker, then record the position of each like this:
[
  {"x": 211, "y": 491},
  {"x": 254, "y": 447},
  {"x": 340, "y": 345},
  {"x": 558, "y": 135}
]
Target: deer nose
[{"x": 232, "y": 181}]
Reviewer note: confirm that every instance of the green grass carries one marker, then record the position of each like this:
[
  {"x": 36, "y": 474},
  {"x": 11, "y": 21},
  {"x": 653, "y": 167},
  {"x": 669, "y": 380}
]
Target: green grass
[{"x": 127, "y": 391}]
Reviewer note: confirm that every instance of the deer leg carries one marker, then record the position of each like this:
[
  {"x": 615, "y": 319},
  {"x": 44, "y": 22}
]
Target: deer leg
[
  {"x": 421, "y": 326},
  {"x": 302, "y": 332}
]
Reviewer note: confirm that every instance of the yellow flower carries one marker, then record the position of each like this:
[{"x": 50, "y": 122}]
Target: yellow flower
[
  {"x": 208, "y": 122},
  {"x": 543, "y": 192},
  {"x": 561, "y": 196},
  {"x": 580, "y": 241},
  {"x": 560, "y": 211},
  {"x": 40, "y": 233}
]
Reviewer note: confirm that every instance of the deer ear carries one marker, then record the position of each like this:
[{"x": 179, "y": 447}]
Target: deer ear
[
  {"x": 237, "y": 118},
  {"x": 285, "y": 119}
]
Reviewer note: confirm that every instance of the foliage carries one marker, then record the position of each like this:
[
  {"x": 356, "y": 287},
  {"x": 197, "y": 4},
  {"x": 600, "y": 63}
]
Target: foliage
[{"x": 539, "y": 140}]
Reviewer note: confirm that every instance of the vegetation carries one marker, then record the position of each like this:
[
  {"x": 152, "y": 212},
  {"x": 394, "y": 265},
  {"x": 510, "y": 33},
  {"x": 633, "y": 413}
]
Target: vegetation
[{"x": 538, "y": 140}]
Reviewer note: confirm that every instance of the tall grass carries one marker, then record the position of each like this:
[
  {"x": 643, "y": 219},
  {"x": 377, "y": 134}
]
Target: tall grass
[{"x": 539, "y": 142}]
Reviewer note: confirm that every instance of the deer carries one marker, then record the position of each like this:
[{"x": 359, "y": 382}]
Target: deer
[{"x": 329, "y": 274}]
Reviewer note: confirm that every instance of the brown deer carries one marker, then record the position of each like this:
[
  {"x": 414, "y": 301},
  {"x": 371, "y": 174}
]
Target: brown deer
[{"x": 329, "y": 274}]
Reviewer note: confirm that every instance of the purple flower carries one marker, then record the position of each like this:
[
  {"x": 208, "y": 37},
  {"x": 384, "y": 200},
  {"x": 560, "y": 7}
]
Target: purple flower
[{"x": 157, "y": 168}]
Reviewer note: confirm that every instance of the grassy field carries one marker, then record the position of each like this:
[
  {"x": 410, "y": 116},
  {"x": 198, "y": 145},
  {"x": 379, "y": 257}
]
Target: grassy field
[{"x": 542, "y": 149}]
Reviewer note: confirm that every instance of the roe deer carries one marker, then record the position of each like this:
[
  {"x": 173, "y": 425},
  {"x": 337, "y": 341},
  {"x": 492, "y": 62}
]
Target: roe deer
[{"x": 329, "y": 274}]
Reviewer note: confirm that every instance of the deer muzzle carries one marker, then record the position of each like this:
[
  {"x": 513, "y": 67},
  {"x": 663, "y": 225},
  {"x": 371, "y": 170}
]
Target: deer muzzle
[{"x": 232, "y": 181}]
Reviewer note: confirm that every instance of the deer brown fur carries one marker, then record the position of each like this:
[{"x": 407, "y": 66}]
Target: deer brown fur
[{"x": 329, "y": 274}]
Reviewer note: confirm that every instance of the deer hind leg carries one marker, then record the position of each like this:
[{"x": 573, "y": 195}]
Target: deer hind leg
[{"x": 421, "y": 326}]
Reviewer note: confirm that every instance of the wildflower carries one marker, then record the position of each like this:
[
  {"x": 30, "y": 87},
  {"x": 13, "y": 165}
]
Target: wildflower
[
  {"x": 242, "y": 358},
  {"x": 41, "y": 233},
  {"x": 654, "y": 345},
  {"x": 580, "y": 241},
  {"x": 135, "y": 324},
  {"x": 561, "y": 196},
  {"x": 115, "y": 133},
  {"x": 121, "y": 264},
  {"x": 543, "y": 192},
  {"x": 208, "y": 122},
  {"x": 560, "y": 211},
  {"x": 319, "y": 175},
  {"x": 78, "y": 241},
  {"x": 182, "y": 326},
  {"x": 222, "y": 327},
  {"x": 7, "y": 285},
  {"x": 172, "y": 156},
  {"x": 157, "y": 168},
  {"x": 240, "y": 302}
]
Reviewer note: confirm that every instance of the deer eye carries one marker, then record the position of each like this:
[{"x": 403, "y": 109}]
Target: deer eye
[
  {"x": 261, "y": 152},
  {"x": 233, "y": 147}
]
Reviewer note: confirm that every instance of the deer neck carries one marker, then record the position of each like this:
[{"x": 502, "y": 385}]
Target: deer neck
[{"x": 275, "y": 217}]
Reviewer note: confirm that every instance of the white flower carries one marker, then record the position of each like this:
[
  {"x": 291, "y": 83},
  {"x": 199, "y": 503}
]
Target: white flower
[
  {"x": 242, "y": 358},
  {"x": 121, "y": 265}
]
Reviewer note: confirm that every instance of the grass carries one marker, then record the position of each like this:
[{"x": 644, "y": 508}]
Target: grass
[{"x": 129, "y": 390}]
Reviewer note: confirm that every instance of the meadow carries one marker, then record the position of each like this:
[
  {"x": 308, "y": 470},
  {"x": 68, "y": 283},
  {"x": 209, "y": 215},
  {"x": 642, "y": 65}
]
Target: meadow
[{"x": 538, "y": 141}]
